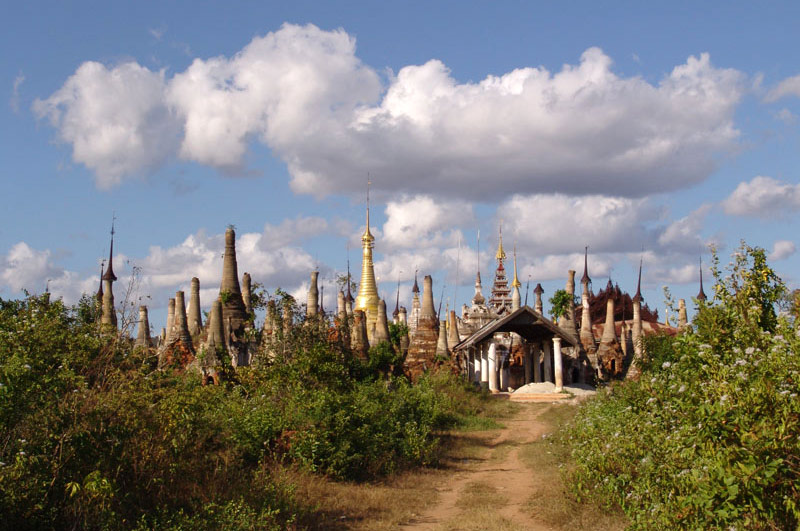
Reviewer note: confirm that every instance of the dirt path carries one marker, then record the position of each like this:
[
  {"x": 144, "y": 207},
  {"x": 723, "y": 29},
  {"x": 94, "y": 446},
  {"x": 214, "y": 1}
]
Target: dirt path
[{"x": 493, "y": 491}]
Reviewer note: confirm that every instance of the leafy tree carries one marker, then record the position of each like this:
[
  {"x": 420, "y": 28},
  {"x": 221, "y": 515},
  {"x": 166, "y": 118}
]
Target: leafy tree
[{"x": 560, "y": 303}]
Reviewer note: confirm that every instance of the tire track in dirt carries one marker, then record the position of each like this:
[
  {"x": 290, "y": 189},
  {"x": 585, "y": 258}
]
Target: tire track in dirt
[{"x": 501, "y": 472}]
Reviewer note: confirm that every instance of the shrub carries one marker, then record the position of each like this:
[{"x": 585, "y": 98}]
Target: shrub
[{"x": 710, "y": 434}]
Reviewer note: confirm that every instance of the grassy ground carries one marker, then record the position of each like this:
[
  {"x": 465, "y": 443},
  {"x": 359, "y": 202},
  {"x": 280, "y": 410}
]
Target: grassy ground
[
  {"x": 387, "y": 504},
  {"x": 390, "y": 503},
  {"x": 552, "y": 504}
]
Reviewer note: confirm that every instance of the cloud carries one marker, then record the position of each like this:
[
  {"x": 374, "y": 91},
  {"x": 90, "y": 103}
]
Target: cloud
[
  {"x": 165, "y": 270},
  {"x": 292, "y": 231},
  {"x": 290, "y": 88},
  {"x": 115, "y": 118},
  {"x": 788, "y": 87},
  {"x": 561, "y": 224},
  {"x": 786, "y": 116},
  {"x": 26, "y": 268},
  {"x": 421, "y": 221},
  {"x": 304, "y": 93},
  {"x": 683, "y": 234},
  {"x": 781, "y": 250},
  {"x": 159, "y": 32},
  {"x": 555, "y": 267},
  {"x": 13, "y": 102},
  {"x": 763, "y": 197}
]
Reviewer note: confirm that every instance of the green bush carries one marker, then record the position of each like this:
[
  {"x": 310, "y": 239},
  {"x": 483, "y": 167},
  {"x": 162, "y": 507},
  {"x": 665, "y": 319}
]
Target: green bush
[
  {"x": 709, "y": 437},
  {"x": 92, "y": 436}
]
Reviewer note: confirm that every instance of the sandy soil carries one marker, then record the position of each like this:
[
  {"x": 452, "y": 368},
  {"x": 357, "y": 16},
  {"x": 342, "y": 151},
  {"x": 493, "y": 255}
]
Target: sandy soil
[{"x": 501, "y": 473}]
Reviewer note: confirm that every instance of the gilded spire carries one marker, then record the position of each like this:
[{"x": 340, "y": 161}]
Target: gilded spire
[
  {"x": 367, "y": 236},
  {"x": 515, "y": 283},
  {"x": 367, "y": 299},
  {"x": 501, "y": 254}
]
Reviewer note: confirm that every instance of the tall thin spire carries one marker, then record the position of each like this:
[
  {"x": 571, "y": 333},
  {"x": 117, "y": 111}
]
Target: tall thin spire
[
  {"x": 638, "y": 296},
  {"x": 501, "y": 254},
  {"x": 515, "y": 283},
  {"x": 702, "y": 295},
  {"x": 349, "y": 297},
  {"x": 109, "y": 274},
  {"x": 585, "y": 278},
  {"x": 396, "y": 311},
  {"x": 367, "y": 299},
  {"x": 479, "y": 253},
  {"x": 99, "y": 295}
]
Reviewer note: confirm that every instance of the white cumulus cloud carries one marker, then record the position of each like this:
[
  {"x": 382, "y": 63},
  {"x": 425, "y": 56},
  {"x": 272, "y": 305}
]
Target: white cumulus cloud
[
  {"x": 302, "y": 92},
  {"x": 422, "y": 221},
  {"x": 782, "y": 249},
  {"x": 116, "y": 120},
  {"x": 788, "y": 87},
  {"x": 763, "y": 197},
  {"x": 561, "y": 224}
]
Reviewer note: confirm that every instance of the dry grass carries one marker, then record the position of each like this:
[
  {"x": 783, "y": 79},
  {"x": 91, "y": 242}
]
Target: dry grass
[
  {"x": 401, "y": 499},
  {"x": 551, "y": 503},
  {"x": 386, "y": 504},
  {"x": 479, "y": 503},
  {"x": 376, "y": 506}
]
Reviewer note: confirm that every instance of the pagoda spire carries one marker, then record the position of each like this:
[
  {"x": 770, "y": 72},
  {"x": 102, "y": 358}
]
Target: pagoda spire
[
  {"x": 638, "y": 296},
  {"x": 99, "y": 295},
  {"x": 702, "y": 295},
  {"x": 367, "y": 299},
  {"x": 585, "y": 278},
  {"x": 396, "y": 311},
  {"x": 109, "y": 314},
  {"x": 515, "y": 283},
  {"x": 109, "y": 274},
  {"x": 501, "y": 254},
  {"x": 501, "y": 296},
  {"x": 349, "y": 296}
]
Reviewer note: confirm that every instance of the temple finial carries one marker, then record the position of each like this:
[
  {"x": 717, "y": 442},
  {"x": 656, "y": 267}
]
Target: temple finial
[
  {"x": 515, "y": 283},
  {"x": 638, "y": 296},
  {"x": 396, "y": 311},
  {"x": 99, "y": 295},
  {"x": 367, "y": 236},
  {"x": 702, "y": 295},
  {"x": 585, "y": 278},
  {"x": 109, "y": 274},
  {"x": 501, "y": 254}
]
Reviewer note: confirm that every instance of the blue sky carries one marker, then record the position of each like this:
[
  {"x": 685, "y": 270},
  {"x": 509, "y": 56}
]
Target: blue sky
[{"x": 623, "y": 126}]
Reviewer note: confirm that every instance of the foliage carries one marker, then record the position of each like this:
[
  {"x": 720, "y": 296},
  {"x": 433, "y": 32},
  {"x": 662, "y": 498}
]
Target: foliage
[
  {"x": 560, "y": 303},
  {"x": 709, "y": 437},
  {"x": 92, "y": 436},
  {"x": 397, "y": 331},
  {"x": 342, "y": 280}
]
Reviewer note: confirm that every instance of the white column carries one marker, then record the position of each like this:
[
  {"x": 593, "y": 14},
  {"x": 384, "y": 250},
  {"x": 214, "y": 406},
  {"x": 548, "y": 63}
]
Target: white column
[
  {"x": 548, "y": 362},
  {"x": 476, "y": 365},
  {"x": 484, "y": 367},
  {"x": 493, "y": 377},
  {"x": 536, "y": 354},
  {"x": 557, "y": 359}
]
